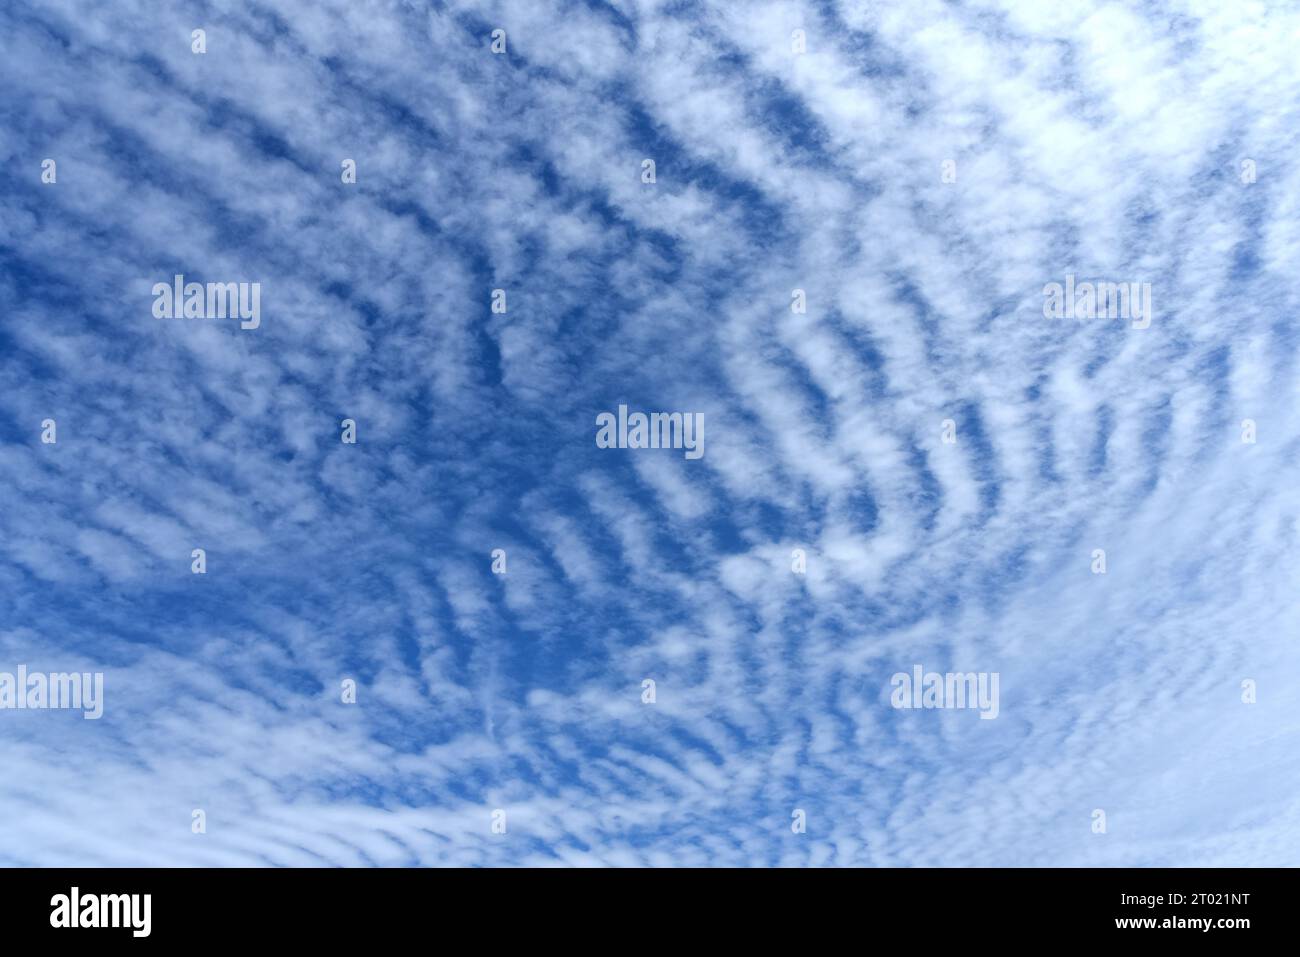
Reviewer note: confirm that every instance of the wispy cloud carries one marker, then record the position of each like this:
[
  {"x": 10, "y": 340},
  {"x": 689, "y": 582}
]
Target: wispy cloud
[{"x": 905, "y": 463}]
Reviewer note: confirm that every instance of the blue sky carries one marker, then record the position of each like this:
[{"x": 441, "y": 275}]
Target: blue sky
[{"x": 1101, "y": 140}]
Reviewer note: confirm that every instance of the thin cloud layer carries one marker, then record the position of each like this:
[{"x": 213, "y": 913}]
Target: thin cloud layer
[{"x": 840, "y": 263}]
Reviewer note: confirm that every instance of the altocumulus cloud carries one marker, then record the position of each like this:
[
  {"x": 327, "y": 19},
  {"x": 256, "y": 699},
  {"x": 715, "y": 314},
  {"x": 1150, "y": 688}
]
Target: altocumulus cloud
[{"x": 839, "y": 263}]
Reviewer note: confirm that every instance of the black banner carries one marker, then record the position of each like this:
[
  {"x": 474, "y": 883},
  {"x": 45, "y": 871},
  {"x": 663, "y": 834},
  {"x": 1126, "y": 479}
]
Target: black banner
[{"x": 333, "y": 907}]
